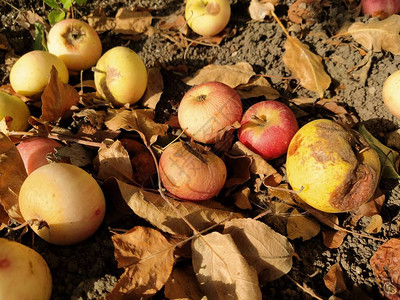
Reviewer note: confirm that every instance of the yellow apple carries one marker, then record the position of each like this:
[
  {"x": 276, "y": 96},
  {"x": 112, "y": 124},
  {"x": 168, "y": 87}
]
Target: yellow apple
[
  {"x": 391, "y": 94},
  {"x": 120, "y": 76},
  {"x": 30, "y": 74},
  {"x": 76, "y": 43},
  {"x": 14, "y": 107},
  {"x": 207, "y": 17}
]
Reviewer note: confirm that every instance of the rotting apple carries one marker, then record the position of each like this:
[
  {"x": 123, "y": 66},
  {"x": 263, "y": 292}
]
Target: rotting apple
[
  {"x": 267, "y": 128},
  {"x": 14, "y": 107},
  {"x": 31, "y": 72},
  {"x": 120, "y": 76},
  {"x": 76, "y": 43},
  {"x": 207, "y": 109},
  {"x": 380, "y": 8},
  {"x": 34, "y": 151},
  {"x": 64, "y": 203},
  {"x": 24, "y": 274},
  {"x": 207, "y": 17},
  {"x": 190, "y": 172},
  {"x": 391, "y": 94}
]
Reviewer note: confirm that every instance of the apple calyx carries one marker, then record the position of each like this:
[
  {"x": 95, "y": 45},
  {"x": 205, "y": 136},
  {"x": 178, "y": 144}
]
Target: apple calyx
[
  {"x": 73, "y": 34},
  {"x": 213, "y": 8},
  {"x": 201, "y": 98}
]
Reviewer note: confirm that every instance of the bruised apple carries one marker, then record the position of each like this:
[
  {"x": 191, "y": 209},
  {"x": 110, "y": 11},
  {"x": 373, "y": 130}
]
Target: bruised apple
[
  {"x": 207, "y": 17},
  {"x": 76, "y": 43},
  {"x": 208, "y": 109},
  {"x": 14, "y": 107},
  {"x": 31, "y": 72},
  {"x": 120, "y": 76},
  {"x": 34, "y": 150},
  {"x": 190, "y": 172},
  {"x": 24, "y": 274},
  {"x": 332, "y": 167},
  {"x": 65, "y": 203}
]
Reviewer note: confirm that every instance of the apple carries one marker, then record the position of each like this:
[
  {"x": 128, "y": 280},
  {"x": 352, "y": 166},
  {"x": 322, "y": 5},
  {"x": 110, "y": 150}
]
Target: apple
[
  {"x": 120, "y": 76},
  {"x": 207, "y": 17},
  {"x": 267, "y": 128},
  {"x": 14, "y": 107},
  {"x": 390, "y": 93},
  {"x": 34, "y": 150},
  {"x": 76, "y": 43},
  {"x": 207, "y": 109},
  {"x": 65, "y": 203},
  {"x": 31, "y": 72},
  {"x": 24, "y": 274}
]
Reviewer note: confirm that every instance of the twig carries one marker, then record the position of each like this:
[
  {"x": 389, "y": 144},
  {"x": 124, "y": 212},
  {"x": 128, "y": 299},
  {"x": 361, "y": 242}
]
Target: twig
[
  {"x": 275, "y": 76},
  {"x": 305, "y": 288}
]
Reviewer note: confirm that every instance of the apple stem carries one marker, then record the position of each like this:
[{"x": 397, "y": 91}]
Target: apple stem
[
  {"x": 94, "y": 69},
  {"x": 30, "y": 222},
  {"x": 285, "y": 190},
  {"x": 259, "y": 119}
]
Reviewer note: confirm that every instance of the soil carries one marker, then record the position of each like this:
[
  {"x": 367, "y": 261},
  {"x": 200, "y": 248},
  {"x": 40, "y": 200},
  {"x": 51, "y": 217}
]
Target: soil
[{"x": 88, "y": 270}]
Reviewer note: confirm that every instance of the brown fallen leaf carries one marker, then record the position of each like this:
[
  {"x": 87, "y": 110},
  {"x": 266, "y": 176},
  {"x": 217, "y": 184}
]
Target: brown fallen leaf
[
  {"x": 13, "y": 174},
  {"x": 238, "y": 169},
  {"x": 259, "y": 9},
  {"x": 372, "y": 207},
  {"x": 378, "y": 35},
  {"x": 385, "y": 264},
  {"x": 147, "y": 257},
  {"x": 4, "y": 45},
  {"x": 155, "y": 87},
  {"x": 301, "y": 226},
  {"x": 57, "y": 98},
  {"x": 222, "y": 270},
  {"x": 307, "y": 11},
  {"x": 269, "y": 252},
  {"x": 306, "y": 66},
  {"x": 242, "y": 198},
  {"x": 175, "y": 23},
  {"x": 332, "y": 238},
  {"x": 334, "y": 279},
  {"x": 231, "y": 75},
  {"x": 374, "y": 225},
  {"x": 132, "y": 22},
  {"x": 256, "y": 87}
]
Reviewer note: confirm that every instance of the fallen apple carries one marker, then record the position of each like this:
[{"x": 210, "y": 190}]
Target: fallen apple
[
  {"x": 76, "y": 43},
  {"x": 208, "y": 109},
  {"x": 380, "y": 8},
  {"x": 190, "y": 172},
  {"x": 267, "y": 128},
  {"x": 207, "y": 17},
  {"x": 24, "y": 274},
  {"x": 332, "y": 168},
  {"x": 120, "y": 76},
  {"x": 65, "y": 203},
  {"x": 14, "y": 107},
  {"x": 390, "y": 93},
  {"x": 34, "y": 150},
  {"x": 31, "y": 72}
]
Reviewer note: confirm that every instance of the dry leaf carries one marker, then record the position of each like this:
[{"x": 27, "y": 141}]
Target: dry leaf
[
  {"x": 100, "y": 22},
  {"x": 175, "y": 23},
  {"x": 372, "y": 207},
  {"x": 155, "y": 87},
  {"x": 242, "y": 198},
  {"x": 256, "y": 87},
  {"x": 238, "y": 170},
  {"x": 4, "y": 45},
  {"x": 259, "y": 9},
  {"x": 385, "y": 264},
  {"x": 57, "y": 98},
  {"x": 301, "y": 226},
  {"x": 222, "y": 271},
  {"x": 183, "y": 285},
  {"x": 147, "y": 257},
  {"x": 283, "y": 195},
  {"x": 73, "y": 153},
  {"x": 13, "y": 174},
  {"x": 269, "y": 252},
  {"x": 306, "y": 66},
  {"x": 231, "y": 75},
  {"x": 378, "y": 35},
  {"x": 305, "y": 10},
  {"x": 153, "y": 208},
  {"x": 375, "y": 224},
  {"x": 132, "y": 22},
  {"x": 334, "y": 279},
  {"x": 333, "y": 239}
]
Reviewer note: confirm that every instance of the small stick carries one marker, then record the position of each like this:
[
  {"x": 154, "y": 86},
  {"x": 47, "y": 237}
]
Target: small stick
[{"x": 305, "y": 289}]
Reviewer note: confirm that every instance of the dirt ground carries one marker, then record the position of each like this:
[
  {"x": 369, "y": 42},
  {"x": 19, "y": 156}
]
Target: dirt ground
[{"x": 89, "y": 270}]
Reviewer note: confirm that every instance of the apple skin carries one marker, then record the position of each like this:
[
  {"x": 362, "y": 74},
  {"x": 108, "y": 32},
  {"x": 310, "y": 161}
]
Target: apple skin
[
  {"x": 120, "y": 76},
  {"x": 207, "y": 17},
  {"x": 207, "y": 109},
  {"x": 390, "y": 93},
  {"x": 24, "y": 274},
  {"x": 67, "y": 198},
  {"x": 267, "y": 128},
  {"x": 33, "y": 152},
  {"x": 14, "y": 107},
  {"x": 31, "y": 72},
  {"x": 76, "y": 43}
]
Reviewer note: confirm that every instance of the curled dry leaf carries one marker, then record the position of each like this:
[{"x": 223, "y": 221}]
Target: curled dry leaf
[
  {"x": 332, "y": 238},
  {"x": 301, "y": 226},
  {"x": 256, "y": 87},
  {"x": 334, "y": 279},
  {"x": 242, "y": 198},
  {"x": 306, "y": 66},
  {"x": 155, "y": 87},
  {"x": 385, "y": 264},
  {"x": 231, "y": 75},
  {"x": 153, "y": 208},
  {"x": 221, "y": 269},
  {"x": 378, "y": 35},
  {"x": 147, "y": 257},
  {"x": 307, "y": 11},
  {"x": 13, "y": 174},
  {"x": 372, "y": 207},
  {"x": 259, "y": 9},
  {"x": 238, "y": 169},
  {"x": 175, "y": 23},
  {"x": 74, "y": 153},
  {"x": 57, "y": 98},
  {"x": 132, "y": 22},
  {"x": 375, "y": 224},
  {"x": 269, "y": 252}
]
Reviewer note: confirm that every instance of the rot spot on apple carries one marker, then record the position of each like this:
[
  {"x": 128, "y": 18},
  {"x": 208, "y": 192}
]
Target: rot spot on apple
[
  {"x": 213, "y": 8},
  {"x": 4, "y": 263},
  {"x": 73, "y": 35}
]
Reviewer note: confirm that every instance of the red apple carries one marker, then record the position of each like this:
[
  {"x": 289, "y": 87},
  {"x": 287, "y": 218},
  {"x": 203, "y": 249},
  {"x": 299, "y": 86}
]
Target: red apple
[
  {"x": 267, "y": 128},
  {"x": 34, "y": 151},
  {"x": 208, "y": 109}
]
